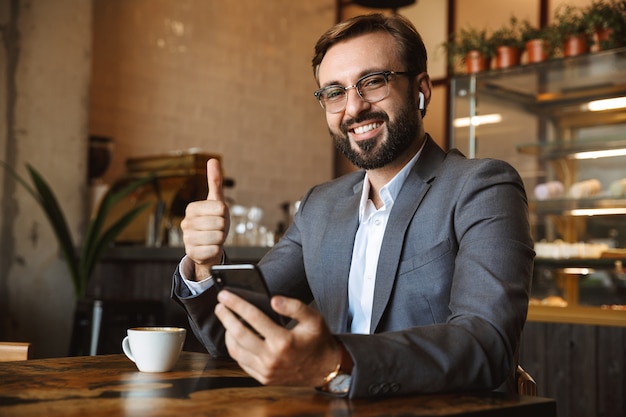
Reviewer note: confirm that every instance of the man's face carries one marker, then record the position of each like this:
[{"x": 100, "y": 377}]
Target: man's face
[{"x": 371, "y": 135}]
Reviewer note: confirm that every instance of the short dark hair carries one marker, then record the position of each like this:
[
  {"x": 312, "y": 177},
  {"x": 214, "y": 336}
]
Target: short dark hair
[{"x": 411, "y": 49}]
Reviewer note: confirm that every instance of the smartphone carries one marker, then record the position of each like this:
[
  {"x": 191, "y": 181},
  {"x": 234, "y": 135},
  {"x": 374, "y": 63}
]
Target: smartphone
[{"x": 246, "y": 280}]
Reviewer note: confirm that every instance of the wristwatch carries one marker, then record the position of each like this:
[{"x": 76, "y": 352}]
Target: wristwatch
[{"x": 337, "y": 382}]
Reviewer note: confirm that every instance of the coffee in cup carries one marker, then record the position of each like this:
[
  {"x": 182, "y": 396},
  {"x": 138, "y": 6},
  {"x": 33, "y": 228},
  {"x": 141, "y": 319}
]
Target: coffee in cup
[{"x": 154, "y": 349}]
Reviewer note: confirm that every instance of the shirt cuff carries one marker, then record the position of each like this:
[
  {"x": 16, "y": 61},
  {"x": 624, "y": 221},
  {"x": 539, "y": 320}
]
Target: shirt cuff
[{"x": 186, "y": 269}]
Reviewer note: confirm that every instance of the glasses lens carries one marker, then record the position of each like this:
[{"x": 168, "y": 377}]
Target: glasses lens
[
  {"x": 333, "y": 98},
  {"x": 373, "y": 88}
]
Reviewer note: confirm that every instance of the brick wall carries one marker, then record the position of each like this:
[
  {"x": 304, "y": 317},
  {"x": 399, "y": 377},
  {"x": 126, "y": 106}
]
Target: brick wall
[{"x": 228, "y": 77}]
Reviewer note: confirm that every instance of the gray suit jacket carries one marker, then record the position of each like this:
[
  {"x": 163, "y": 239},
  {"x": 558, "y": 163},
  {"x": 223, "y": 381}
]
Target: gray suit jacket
[{"x": 452, "y": 283}]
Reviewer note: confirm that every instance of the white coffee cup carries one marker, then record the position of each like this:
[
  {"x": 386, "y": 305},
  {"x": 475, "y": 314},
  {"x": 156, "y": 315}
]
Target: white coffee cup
[{"x": 154, "y": 349}]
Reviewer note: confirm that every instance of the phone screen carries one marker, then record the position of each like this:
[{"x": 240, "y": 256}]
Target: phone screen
[{"x": 246, "y": 280}]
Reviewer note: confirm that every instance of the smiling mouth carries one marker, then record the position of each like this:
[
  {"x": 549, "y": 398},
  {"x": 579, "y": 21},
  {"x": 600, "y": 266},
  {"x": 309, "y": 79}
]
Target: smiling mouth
[{"x": 366, "y": 128}]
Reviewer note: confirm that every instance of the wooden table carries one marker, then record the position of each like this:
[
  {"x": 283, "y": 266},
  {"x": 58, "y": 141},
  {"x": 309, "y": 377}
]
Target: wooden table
[{"x": 110, "y": 385}]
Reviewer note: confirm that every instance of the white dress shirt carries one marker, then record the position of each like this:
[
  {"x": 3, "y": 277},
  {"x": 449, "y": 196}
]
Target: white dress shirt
[{"x": 186, "y": 268}]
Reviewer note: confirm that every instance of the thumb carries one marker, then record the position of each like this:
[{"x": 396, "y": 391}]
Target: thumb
[
  {"x": 214, "y": 180},
  {"x": 290, "y": 307}
]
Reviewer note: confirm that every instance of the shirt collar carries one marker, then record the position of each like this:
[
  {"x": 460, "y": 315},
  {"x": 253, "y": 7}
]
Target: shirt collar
[{"x": 389, "y": 192}]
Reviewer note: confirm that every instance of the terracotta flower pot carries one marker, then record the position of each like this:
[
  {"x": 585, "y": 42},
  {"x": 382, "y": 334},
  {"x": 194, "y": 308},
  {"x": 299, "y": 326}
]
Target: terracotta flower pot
[
  {"x": 476, "y": 62},
  {"x": 575, "y": 45},
  {"x": 536, "y": 51},
  {"x": 507, "y": 56},
  {"x": 599, "y": 36}
]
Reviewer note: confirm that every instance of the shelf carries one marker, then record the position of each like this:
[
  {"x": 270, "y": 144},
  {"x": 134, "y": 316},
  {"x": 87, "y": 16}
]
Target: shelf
[
  {"x": 565, "y": 149},
  {"x": 175, "y": 254},
  {"x": 578, "y": 315},
  {"x": 554, "y": 85},
  {"x": 567, "y": 206},
  {"x": 592, "y": 263}
]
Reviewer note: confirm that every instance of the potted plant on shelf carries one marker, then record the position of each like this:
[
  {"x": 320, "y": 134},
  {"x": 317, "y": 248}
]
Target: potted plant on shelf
[
  {"x": 97, "y": 238},
  {"x": 507, "y": 42},
  {"x": 570, "y": 31},
  {"x": 471, "y": 47},
  {"x": 537, "y": 42},
  {"x": 606, "y": 23}
]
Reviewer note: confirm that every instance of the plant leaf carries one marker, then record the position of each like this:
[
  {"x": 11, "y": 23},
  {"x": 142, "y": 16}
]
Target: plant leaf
[
  {"x": 91, "y": 239},
  {"x": 21, "y": 181},
  {"x": 109, "y": 235},
  {"x": 95, "y": 243},
  {"x": 111, "y": 199},
  {"x": 55, "y": 215}
]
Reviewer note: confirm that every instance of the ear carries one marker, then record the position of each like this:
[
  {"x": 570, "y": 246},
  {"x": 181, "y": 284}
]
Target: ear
[{"x": 425, "y": 88}]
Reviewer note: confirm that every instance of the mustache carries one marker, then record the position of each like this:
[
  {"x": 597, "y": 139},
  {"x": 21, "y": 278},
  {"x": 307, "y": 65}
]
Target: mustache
[{"x": 346, "y": 125}]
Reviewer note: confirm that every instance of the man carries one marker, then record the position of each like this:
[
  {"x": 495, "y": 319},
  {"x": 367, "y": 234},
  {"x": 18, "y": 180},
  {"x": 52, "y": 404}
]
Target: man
[{"x": 411, "y": 275}]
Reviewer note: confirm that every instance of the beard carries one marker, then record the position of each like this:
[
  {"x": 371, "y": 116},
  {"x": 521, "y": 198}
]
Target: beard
[{"x": 400, "y": 134}]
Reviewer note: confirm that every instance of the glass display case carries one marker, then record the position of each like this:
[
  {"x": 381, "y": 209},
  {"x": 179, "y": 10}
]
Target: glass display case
[{"x": 562, "y": 125}]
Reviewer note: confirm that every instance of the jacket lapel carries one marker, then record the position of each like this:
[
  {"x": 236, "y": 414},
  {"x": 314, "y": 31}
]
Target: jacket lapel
[
  {"x": 336, "y": 257},
  {"x": 413, "y": 191}
]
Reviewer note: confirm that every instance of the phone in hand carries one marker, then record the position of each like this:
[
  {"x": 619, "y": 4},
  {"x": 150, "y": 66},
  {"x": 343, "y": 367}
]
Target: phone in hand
[{"x": 246, "y": 281}]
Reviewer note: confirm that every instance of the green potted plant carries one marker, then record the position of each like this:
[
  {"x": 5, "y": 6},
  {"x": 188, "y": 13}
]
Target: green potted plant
[
  {"x": 472, "y": 47},
  {"x": 571, "y": 33},
  {"x": 97, "y": 238},
  {"x": 605, "y": 21},
  {"x": 537, "y": 42},
  {"x": 508, "y": 44}
]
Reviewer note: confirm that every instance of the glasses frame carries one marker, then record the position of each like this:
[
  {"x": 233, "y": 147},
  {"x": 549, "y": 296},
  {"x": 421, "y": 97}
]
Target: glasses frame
[{"x": 385, "y": 74}]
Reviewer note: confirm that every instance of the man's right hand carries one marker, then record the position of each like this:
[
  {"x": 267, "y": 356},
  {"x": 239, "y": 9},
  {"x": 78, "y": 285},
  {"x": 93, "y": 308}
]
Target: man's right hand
[{"x": 206, "y": 223}]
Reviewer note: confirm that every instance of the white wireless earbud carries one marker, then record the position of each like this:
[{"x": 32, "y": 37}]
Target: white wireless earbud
[{"x": 421, "y": 105}]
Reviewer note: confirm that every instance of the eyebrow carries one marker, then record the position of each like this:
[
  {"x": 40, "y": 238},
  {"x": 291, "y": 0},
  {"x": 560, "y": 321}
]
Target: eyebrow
[{"x": 361, "y": 75}]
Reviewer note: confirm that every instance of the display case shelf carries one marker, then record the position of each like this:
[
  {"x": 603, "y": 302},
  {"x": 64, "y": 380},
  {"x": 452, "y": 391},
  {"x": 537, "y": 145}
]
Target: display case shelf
[
  {"x": 578, "y": 315},
  {"x": 554, "y": 85},
  {"x": 580, "y": 207},
  {"x": 570, "y": 149},
  {"x": 607, "y": 262}
]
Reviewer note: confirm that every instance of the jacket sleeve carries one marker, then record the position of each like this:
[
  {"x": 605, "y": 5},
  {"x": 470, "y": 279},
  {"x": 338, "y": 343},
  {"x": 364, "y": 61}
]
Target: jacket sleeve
[{"x": 199, "y": 308}]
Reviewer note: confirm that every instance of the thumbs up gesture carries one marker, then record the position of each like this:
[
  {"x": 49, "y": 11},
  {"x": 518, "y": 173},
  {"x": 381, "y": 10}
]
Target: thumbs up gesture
[{"x": 206, "y": 223}]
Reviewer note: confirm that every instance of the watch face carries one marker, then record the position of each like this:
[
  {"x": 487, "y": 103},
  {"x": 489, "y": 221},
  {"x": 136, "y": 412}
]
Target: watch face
[{"x": 340, "y": 384}]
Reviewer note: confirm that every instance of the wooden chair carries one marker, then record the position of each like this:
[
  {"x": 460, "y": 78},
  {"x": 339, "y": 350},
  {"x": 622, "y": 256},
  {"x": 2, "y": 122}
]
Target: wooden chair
[
  {"x": 526, "y": 385},
  {"x": 13, "y": 351}
]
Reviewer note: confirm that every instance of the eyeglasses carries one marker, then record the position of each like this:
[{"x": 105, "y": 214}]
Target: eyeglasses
[{"x": 372, "y": 88}]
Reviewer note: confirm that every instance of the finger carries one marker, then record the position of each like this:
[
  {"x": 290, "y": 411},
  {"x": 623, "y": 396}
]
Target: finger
[
  {"x": 261, "y": 324},
  {"x": 229, "y": 319},
  {"x": 234, "y": 338},
  {"x": 233, "y": 327},
  {"x": 296, "y": 310},
  {"x": 214, "y": 180}
]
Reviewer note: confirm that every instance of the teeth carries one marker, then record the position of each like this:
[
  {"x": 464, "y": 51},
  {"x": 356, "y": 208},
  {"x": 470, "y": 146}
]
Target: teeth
[{"x": 362, "y": 129}]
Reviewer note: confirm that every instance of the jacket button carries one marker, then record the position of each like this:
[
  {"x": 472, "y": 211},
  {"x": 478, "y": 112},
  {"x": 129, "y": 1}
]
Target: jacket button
[{"x": 384, "y": 388}]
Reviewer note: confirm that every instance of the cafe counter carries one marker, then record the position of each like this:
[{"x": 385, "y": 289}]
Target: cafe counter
[{"x": 239, "y": 254}]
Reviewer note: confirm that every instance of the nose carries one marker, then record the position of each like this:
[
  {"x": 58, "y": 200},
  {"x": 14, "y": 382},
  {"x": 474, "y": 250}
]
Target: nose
[{"x": 355, "y": 104}]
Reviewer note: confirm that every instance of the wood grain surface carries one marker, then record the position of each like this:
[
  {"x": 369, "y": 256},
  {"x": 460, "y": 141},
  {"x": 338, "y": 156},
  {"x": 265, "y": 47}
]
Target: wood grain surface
[{"x": 110, "y": 385}]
